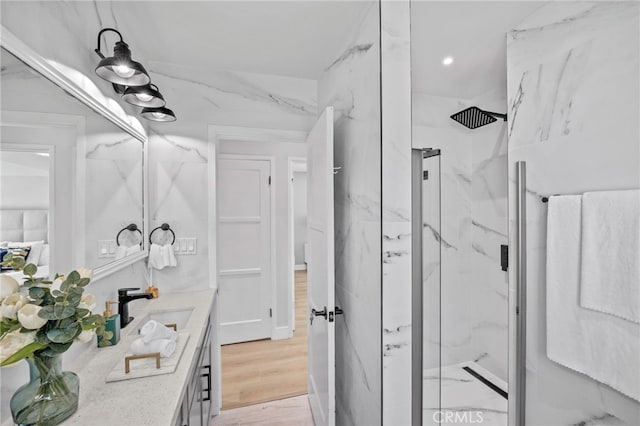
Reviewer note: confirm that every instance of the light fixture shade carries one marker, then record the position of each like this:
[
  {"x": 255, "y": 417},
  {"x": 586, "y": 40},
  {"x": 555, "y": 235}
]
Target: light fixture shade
[
  {"x": 158, "y": 114},
  {"x": 120, "y": 69},
  {"x": 144, "y": 96}
]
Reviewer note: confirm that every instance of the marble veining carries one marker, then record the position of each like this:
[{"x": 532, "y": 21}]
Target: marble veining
[
  {"x": 567, "y": 64},
  {"x": 349, "y": 53},
  {"x": 351, "y": 85},
  {"x": 464, "y": 398},
  {"x": 233, "y": 83}
]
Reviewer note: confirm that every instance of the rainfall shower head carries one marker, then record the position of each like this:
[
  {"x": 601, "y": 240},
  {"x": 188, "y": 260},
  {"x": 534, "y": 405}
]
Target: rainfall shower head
[{"x": 473, "y": 117}]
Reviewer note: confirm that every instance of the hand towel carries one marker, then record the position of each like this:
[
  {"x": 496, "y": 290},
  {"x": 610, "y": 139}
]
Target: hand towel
[
  {"x": 598, "y": 345},
  {"x": 168, "y": 256},
  {"x": 161, "y": 256},
  {"x": 611, "y": 253},
  {"x": 123, "y": 251},
  {"x": 166, "y": 347},
  {"x": 153, "y": 330}
]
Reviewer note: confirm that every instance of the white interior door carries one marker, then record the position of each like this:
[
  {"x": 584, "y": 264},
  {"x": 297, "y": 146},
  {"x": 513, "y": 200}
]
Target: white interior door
[
  {"x": 320, "y": 270},
  {"x": 244, "y": 256}
]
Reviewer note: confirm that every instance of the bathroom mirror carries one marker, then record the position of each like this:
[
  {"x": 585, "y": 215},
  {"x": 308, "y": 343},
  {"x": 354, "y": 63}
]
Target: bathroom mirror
[{"x": 73, "y": 184}]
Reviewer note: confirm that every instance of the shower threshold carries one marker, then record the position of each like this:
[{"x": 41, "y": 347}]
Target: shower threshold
[{"x": 469, "y": 394}]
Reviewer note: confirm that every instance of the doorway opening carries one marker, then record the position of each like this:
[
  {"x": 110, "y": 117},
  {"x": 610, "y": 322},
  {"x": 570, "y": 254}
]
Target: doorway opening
[{"x": 260, "y": 368}]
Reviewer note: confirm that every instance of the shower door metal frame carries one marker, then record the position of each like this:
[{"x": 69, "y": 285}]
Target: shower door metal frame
[
  {"x": 417, "y": 294},
  {"x": 521, "y": 292}
]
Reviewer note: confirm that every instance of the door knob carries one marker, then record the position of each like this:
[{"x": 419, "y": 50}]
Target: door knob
[{"x": 314, "y": 313}]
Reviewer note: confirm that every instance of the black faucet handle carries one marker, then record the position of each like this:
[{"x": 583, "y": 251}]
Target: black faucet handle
[{"x": 123, "y": 291}]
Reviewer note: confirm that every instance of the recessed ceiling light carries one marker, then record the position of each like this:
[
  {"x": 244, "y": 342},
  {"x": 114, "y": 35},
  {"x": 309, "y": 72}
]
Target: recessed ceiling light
[
  {"x": 447, "y": 61},
  {"x": 43, "y": 154}
]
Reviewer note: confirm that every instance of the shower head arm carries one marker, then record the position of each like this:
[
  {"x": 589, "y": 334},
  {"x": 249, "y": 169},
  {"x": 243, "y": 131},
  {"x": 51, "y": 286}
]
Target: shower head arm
[{"x": 495, "y": 114}]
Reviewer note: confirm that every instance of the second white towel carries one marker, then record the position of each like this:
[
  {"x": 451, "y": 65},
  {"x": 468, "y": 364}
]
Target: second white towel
[
  {"x": 610, "y": 279},
  {"x": 153, "y": 330},
  {"x": 599, "y": 345}
]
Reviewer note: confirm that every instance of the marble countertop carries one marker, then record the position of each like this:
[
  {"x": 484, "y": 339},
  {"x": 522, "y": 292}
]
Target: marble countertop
[{"x": 151, "y": 400}]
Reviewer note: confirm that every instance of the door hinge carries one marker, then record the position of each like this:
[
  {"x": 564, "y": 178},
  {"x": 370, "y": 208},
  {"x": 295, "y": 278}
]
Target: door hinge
[
  {"x": 270, "y": 313},
  {"x": 269, "y": 180},
  {"x": 425, "y": 174}
]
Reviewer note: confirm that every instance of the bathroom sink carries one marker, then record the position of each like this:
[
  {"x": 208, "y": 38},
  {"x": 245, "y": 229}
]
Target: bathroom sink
[{"x": 179, "y": 317}]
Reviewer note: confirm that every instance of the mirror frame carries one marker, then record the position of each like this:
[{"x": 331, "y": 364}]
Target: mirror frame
[{"x": 99, "y": 105}]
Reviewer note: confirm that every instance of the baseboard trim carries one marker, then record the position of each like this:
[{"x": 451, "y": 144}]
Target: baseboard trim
[
  {"x": 302, "y": 267},
  {"x": 280, "y": 333}
]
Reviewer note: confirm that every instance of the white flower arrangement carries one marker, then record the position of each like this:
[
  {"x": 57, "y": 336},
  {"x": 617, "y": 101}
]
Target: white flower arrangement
[{"x": 42, "y": 316}]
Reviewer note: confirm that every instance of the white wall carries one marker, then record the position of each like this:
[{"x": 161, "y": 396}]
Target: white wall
[
  {"x": 24, "y": 180},
  {"x": 299, "y": 216}
]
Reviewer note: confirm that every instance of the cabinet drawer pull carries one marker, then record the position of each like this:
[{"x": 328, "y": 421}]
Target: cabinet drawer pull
[{"x": 208, "y": 388}]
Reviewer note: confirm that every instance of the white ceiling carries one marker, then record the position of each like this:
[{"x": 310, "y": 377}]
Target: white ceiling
[
  {"x": 473, "y": 33},
  {"x": 301, "y": 38},
  {"x": 290, "y": 38}
]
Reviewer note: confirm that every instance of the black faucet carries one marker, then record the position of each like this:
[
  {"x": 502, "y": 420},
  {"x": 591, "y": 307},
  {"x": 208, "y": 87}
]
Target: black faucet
[{"x": 123, "y": 303}]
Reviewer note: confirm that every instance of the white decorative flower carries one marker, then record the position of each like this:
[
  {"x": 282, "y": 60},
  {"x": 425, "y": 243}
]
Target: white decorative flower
[
  {"x": 28, "y": 317},
  {"x": 8, "y": 286},
  {"x": 55, "y": 285},
  {"x": 13, "y": 342},
  {"x": 88, "y": 301},
  {"x": 85, "y": 272},
  {"x": 85, "y": 336},
  {"x": 12, "y": 304}
]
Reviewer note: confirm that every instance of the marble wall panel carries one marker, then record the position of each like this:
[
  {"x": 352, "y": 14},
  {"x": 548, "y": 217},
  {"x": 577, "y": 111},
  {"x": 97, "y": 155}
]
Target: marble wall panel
[
  {"x": 396, "y": 211},
  {"x": 568, "y": 65},
  {"x": 351, "y": 85}
]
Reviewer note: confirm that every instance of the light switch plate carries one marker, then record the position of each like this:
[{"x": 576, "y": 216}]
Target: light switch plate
[
  {"x": 186, "y": 246},
  {"x": 106, "y": 248}
]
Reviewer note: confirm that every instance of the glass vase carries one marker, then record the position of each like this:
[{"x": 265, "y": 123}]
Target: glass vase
[{"x": 50, "y": 397}]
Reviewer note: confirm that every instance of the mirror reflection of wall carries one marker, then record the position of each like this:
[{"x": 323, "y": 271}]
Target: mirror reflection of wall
[
  {"x": 97, "y": 169},
  {"x": 24, "y": 219}
]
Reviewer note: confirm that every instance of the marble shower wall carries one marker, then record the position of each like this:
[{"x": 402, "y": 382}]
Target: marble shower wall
[
  {"x": 474, "y": 308},
  {"x": 351, "y": 84},
  {"x": 488, "y": 286},
  {"x": 573, "y": 71}
]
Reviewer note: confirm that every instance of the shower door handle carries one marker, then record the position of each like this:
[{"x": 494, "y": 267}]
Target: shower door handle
[{"x": 314, "y": 313}]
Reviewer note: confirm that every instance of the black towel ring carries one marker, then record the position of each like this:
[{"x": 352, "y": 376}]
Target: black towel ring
[
  {"x": 132, "y": 227},
  {"x": 164, "y": 227}
]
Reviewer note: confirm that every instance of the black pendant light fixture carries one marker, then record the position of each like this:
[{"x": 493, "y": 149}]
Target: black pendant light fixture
[
  {"x": 144, "y": 96},
  {"x": 131, "y": 80},
  {"x": 158, "y": 114},
  {"x": 120, "y": 68}
]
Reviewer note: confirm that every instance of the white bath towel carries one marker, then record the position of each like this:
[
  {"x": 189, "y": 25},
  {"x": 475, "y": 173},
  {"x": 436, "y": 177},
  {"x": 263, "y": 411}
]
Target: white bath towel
[
  {"x": 153, "y": 330},
  {"x": 599, "y": 345},
  {"x": 166, "y": 347},
  {"x": 161, "y": 256},
  {"x": 611, "y": 253}
]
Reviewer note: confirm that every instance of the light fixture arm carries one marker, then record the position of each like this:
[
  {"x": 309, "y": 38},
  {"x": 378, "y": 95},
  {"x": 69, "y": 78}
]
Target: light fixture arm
[{"x": 97, "y": 50}]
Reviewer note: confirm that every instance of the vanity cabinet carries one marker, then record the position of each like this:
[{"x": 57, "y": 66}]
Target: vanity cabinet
[{"x": 195, "y": 409}]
